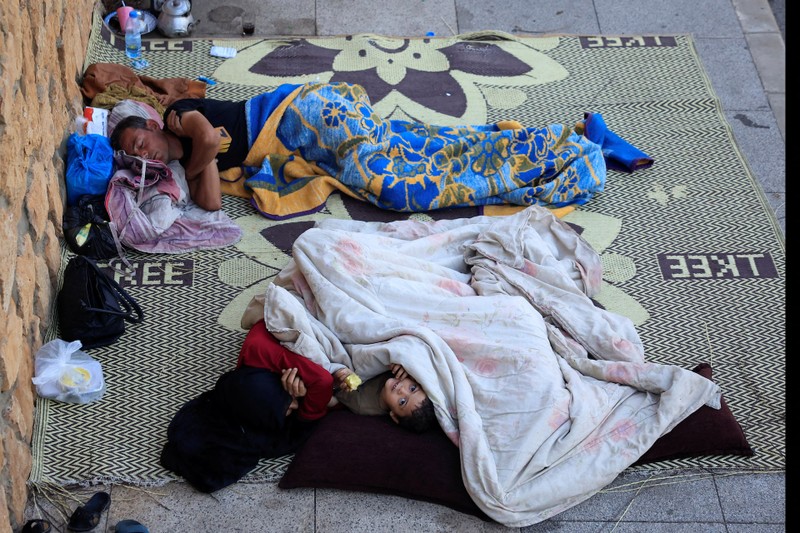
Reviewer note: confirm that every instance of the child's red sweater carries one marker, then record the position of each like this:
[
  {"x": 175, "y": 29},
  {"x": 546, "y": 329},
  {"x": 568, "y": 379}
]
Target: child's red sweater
[{"x": 262, "y": 350}]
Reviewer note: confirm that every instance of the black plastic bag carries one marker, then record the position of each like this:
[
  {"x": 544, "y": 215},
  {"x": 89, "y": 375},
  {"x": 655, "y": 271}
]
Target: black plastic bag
[
  {"x": 87, "y": 228},
  {"x": 92, "y": 307}
]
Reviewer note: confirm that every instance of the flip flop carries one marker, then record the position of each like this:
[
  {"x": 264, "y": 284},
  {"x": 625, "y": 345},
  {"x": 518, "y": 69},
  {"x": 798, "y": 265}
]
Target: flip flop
[
  {"x": 130, "y": 526},
  {"x": 86, "y": 517},
  {"x": 37, "y": 525}
]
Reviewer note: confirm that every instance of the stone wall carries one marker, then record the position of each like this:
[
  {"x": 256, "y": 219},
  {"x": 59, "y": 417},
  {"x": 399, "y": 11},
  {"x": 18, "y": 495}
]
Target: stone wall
[{"x": 42, "y": 49}]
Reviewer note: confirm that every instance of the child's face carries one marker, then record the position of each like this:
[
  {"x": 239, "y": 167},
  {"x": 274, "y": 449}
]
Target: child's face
[{"x": 402, "y": 397}]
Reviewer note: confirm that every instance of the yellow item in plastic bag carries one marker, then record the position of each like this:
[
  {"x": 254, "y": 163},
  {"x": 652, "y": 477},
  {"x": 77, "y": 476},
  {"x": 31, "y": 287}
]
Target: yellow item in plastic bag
[
  {"x": 76, "y": 378},
  {"x": 65, "y": 373},
  {"x": 83, "y": 234}
]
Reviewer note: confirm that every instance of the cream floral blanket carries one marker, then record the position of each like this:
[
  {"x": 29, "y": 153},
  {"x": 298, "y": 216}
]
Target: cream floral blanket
[{"x": 547, "y": 396}]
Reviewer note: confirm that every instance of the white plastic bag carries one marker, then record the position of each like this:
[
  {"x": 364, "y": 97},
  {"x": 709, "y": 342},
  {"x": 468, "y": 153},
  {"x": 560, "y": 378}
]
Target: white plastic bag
[{"x": 65, "y": 373}]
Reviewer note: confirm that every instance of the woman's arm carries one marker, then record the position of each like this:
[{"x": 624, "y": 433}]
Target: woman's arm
[
  {"x": 205, "y": 139},
  {"x": 201, "y": 170}
]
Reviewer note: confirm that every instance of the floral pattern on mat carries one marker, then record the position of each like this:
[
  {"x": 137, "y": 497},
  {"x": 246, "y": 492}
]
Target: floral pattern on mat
[{"x": 400, "y": 74}]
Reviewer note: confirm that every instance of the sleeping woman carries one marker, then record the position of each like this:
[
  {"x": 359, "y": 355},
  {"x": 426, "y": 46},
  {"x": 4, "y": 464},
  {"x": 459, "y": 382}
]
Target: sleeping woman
[{"x": 290, "y": 148}]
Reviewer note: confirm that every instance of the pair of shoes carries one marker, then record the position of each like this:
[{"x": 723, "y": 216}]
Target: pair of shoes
[
  {"x": 37, "y": 525},
  {"x": 130, "y": 526},
  {"x": 86, "y": 517}
]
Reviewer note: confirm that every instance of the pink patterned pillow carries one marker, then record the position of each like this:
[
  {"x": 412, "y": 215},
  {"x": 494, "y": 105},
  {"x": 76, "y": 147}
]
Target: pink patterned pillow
[{"x": 125, "y": 108}]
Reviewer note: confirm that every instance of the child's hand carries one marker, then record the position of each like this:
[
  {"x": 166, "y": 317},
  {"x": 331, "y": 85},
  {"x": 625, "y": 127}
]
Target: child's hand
[
  {"x": 398, "y": 371},
  {"x": 340, "y": 379},
  {"x": 292, "y": 383}
]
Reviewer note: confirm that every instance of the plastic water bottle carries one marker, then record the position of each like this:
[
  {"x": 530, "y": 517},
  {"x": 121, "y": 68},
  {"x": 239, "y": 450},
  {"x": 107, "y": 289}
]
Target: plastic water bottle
[{"x": 133, "y": 36}]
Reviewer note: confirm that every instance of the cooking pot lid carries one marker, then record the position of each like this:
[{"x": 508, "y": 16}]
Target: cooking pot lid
[{"x": 176, "y": 7}]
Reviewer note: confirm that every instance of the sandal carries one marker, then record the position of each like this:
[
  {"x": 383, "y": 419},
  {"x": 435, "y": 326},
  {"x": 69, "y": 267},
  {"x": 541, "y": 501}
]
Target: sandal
[
  {"x": 37, "y": 525},
  {"x": 130, "y": 526},
  {"x": 86, "y": 517}
]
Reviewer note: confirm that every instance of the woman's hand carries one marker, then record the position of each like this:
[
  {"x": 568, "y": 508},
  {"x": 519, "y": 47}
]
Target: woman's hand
[
  {"x": 292, "y": 406},
  {"x": 292, "y": 383},
  {"x": 174, "y": 124}
]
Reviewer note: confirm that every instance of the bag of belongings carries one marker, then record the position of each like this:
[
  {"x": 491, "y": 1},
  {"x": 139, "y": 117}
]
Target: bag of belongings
[
  {"x": 92, "y": 307},
  {"x": 87, "y": 229},
  {"x": 90, "y": 164},
  {"x": 67, "y": 374}
]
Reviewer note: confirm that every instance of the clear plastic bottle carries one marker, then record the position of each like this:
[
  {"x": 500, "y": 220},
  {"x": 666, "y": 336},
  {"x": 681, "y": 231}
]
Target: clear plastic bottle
[{"x": 133, "y": 35}]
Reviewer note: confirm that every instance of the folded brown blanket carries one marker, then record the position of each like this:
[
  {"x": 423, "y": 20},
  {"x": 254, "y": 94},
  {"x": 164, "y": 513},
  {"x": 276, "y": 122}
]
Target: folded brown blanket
[{"x": 99, "y": 76}]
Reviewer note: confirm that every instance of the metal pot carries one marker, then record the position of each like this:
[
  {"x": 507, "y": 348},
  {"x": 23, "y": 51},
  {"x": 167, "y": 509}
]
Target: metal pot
[{"x": 176, "y": 18}]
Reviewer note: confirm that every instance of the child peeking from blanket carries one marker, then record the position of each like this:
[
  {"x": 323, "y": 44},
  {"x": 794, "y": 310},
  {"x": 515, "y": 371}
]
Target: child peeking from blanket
[
  {"x": 394, "y": 391},
  {"x": 312, "y": 387}
]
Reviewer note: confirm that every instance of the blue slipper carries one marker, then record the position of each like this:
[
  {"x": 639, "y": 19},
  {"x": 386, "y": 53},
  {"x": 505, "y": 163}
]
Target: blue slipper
[
  {"x": 130, "y": 526},
  {"x": 618, "y": 153}
]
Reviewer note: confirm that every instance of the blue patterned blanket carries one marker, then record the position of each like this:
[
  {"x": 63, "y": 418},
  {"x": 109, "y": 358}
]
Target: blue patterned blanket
[{"x": 326, "y": 137}]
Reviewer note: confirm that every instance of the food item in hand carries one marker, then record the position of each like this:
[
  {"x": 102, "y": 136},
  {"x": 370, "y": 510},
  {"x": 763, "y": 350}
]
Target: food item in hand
[{"x": 352, "y": 381}]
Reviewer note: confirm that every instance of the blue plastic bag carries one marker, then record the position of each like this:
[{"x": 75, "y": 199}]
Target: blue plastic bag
[{"x": 90, "y": 165}]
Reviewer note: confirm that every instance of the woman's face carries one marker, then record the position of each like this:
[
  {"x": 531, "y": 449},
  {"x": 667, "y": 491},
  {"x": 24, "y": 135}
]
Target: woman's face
[{"x": 147, "y": 143}]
